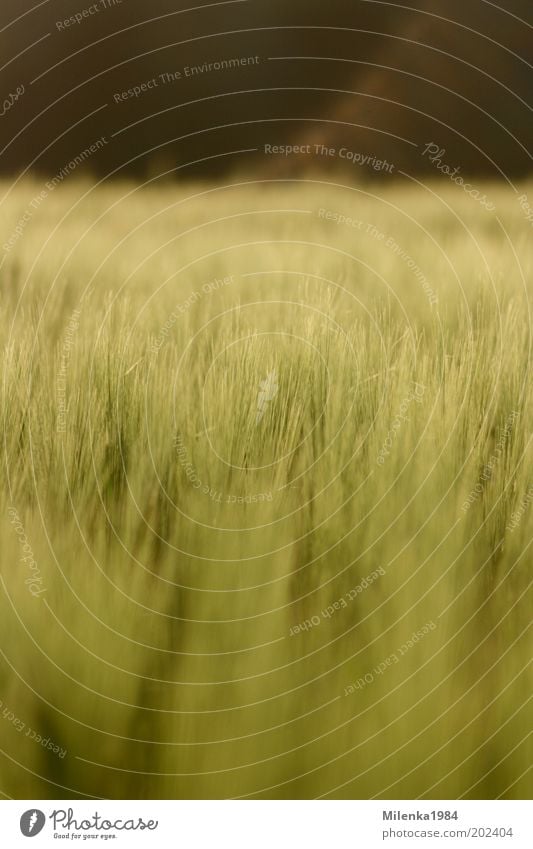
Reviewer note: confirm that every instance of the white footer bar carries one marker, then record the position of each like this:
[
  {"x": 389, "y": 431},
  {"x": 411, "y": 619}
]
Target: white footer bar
[{"x": 268, "y": 824}]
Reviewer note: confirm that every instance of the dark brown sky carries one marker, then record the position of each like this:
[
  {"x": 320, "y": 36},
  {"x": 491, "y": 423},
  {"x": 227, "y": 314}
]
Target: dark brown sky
[{"x": 376, "y": 76}]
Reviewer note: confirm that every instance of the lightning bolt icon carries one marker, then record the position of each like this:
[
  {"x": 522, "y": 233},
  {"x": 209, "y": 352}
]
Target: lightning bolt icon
[
  {"x": 33, "y": 820},
  {"x": 268, "y": 391}
]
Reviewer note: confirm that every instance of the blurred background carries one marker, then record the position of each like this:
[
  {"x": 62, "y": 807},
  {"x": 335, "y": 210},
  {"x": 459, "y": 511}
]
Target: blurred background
[{"x": 383, "y": 78}]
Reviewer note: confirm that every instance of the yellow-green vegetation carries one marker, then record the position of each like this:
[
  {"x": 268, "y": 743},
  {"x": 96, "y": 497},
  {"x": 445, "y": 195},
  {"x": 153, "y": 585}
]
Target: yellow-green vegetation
[{"x": 249, "y": 449}]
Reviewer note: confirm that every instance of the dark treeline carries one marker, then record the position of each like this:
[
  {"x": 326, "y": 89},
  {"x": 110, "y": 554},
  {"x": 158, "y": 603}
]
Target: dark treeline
[{"x": 379, "y": 78}]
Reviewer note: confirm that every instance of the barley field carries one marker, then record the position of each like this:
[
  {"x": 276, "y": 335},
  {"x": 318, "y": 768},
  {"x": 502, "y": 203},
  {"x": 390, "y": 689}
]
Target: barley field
[{"x": 266, "y": 491}]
